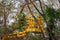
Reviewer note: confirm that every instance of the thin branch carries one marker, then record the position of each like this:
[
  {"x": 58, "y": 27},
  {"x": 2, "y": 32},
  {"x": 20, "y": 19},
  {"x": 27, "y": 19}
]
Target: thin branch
[
  {"x": 24, "y": 5},
  {"x": 30, "y": 11},
  {"x": 22, "y": 8},
  {"x": 42, "y": 10},
  {"x": 41, "y": 6},
  {"x": 37, "y": 9}
]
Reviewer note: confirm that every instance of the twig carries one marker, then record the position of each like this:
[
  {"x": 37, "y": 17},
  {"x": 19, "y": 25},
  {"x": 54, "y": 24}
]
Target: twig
[
  {"x": 41, "y": 6},
  {"x": 37, "y": 9}
]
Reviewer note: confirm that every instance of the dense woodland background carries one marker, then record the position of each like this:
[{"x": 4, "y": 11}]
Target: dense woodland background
[{"x": 13, "y": 15}]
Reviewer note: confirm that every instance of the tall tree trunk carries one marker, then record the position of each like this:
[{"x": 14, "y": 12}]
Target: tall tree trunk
[
  {"x": 50, "y": 33},
  {"x": 5, "y": 18}
]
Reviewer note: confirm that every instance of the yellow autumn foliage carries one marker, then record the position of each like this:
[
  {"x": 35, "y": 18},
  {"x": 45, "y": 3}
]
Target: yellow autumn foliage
[{"x": 31, "y": 27}]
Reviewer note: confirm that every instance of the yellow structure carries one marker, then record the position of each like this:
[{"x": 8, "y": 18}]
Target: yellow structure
[{"x": 31, "y": 28}]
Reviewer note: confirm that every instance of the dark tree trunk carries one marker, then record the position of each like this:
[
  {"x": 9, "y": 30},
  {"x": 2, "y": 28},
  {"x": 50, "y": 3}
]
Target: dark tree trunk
[{"x": 50, "y": 33}]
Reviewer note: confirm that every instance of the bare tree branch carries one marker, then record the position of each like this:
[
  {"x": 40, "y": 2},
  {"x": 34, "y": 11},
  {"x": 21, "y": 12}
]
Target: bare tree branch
[
  {"x": 37, "y": 9},
  {"x": 41, "y": 7}
]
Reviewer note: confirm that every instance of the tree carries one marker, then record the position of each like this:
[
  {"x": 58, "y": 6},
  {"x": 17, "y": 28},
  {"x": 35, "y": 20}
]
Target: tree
[
  {"x": 49, "y": 17},
  {"x": 5, "y": 9},
  {"x": 21, "y": 21}
]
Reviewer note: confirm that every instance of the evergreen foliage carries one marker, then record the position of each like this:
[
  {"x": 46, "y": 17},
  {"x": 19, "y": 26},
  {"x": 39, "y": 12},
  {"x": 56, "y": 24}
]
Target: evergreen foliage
[{"x": 21, "y": 20}]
